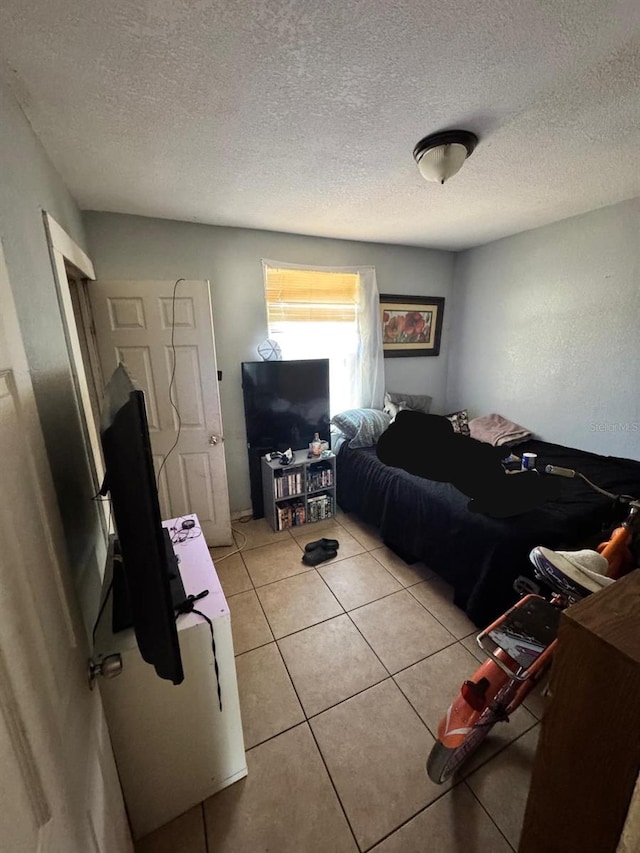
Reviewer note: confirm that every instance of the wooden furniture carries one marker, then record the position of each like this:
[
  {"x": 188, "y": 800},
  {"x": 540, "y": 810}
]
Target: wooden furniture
[
  {"x": 588, "y": 756},
  {"x": 300, "y": 493},
  {"x": 173, "y": 745}
]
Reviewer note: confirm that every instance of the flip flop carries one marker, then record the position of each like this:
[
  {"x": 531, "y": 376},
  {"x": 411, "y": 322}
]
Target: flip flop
[
  {"x": 322, "y": 543},
  {"x": 319, "y": 555}
]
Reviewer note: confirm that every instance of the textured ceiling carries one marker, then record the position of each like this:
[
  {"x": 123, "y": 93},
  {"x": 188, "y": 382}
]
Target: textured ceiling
[{"x": 301, "y": 116}]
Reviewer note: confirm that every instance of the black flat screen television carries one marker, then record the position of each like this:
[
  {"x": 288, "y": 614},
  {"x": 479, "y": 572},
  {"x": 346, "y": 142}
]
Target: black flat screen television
[
  {"x": 285, "y": 404},
  {"x": 146, "y": 578}
]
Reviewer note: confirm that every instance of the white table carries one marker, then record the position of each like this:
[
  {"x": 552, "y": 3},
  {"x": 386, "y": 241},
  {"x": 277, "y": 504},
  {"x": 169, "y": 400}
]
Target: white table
[{"x": 172, "y": 744}]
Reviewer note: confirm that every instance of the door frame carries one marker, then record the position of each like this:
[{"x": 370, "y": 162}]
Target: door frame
[{"x": 63, "y": 249}]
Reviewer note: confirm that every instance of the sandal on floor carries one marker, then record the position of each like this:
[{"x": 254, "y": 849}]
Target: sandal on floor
[
  {"x": 322, "y": 543},
  {"x": 319, "y": 555}
]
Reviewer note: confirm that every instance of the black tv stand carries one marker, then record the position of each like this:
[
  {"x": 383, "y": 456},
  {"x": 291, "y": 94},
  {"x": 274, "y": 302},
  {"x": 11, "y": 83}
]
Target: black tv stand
[{"x": 121, "y": 614}]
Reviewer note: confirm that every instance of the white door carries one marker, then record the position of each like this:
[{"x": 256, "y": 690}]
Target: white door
[
  {"x": 142, "y": 323},
  {"x": 58, "y": 785}
]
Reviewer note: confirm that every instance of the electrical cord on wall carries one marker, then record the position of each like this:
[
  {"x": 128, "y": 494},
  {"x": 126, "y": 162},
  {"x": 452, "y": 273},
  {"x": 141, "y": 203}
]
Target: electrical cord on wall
[{"x": 171, "y": 382}]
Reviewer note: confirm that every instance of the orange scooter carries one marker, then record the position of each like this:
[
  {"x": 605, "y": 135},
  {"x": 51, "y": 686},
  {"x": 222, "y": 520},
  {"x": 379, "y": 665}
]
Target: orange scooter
[{"x": 520, "y": 644}]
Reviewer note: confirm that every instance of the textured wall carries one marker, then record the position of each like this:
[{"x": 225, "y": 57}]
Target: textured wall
[
  {"x": 134, "y": 247},
  {"x": 30, "y": 185},
  {"x": 301, "y": 116},
  {"x": 546, "y": 330}
]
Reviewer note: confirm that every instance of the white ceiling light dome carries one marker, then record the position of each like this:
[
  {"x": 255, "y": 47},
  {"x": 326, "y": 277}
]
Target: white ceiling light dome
[{"x": 441, "y": 155}]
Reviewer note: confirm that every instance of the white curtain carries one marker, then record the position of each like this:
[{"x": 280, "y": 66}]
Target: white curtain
[
  {"x": 368, "y": 382},
  {"x": 357, "y": 366}
]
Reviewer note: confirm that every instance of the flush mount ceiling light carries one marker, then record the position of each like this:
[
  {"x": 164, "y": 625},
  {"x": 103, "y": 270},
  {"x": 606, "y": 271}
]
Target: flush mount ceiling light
[{"x": 441, "y": 155}]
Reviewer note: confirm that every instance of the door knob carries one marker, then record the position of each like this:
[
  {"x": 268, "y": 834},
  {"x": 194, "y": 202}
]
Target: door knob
[
  {"x": 109, "y": 667},
  {"x": 215, "y": 439}
]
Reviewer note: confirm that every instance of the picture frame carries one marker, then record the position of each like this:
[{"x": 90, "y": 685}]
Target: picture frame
[{"x": 411, "y": 325}]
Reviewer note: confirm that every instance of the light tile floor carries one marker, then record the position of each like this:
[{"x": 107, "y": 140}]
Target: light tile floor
[{"x": 344, "y": 671}]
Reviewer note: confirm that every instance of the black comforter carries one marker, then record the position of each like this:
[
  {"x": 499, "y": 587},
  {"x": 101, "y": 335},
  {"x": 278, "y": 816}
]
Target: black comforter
[{"x": 480, "y": 556}]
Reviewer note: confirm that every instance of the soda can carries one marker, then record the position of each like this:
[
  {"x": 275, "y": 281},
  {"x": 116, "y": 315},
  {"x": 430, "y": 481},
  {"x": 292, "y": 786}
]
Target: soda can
[{"x": 529, "y": 461}]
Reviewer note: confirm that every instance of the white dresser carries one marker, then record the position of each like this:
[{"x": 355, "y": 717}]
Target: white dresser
[{"x": 172, "y": 744}]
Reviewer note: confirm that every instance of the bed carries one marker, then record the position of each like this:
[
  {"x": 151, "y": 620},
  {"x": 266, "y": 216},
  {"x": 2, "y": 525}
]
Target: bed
[{"x": 423, "y": 520}]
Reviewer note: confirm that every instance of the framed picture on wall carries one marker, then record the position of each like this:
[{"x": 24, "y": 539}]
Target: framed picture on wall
[{"x": 411, "y": 325}]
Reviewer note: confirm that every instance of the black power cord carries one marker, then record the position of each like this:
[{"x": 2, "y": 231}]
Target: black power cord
[
  {"x": 100, "y": 612},
  {"x": 188, "y": 606}
]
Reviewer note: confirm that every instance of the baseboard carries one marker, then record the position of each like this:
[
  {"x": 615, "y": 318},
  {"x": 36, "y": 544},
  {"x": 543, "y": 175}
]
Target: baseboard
[{"x": 241, "y": 514}]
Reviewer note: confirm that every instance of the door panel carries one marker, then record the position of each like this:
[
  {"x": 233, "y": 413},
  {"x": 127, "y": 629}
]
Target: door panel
[
  {"x": 143, "y": 324},
  {"x": 188, "y": 394},
  {"x": 138, "y": 360},
  {"x": 47, "y": 713}
]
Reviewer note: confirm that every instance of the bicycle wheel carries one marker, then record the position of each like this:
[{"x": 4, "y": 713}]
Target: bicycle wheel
[{"x": 443, "y": 762}]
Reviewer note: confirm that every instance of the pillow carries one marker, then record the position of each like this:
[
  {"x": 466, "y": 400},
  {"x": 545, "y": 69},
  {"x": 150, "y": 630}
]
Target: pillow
[
  {"x": 416, "y": 402},
  {"x": 497, "y": 430},
  {"x": 460, "y": 421},
  {"x": 363, "y": 426}
]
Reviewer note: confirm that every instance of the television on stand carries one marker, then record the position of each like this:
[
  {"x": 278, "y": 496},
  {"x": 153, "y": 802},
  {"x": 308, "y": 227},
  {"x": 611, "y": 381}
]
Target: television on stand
[
  {"x": 146, "y": 579},
  {"x": 285, "y": 404}
]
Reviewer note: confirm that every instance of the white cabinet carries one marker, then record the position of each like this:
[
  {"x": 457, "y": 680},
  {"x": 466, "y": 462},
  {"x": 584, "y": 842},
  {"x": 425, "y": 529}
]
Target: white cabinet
[{"x": 173, "y": 745}]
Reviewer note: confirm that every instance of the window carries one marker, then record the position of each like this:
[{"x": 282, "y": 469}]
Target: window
[{"x": 314, "y": 314}]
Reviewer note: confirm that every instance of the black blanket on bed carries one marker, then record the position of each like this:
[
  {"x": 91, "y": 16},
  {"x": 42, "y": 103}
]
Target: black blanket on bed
[{"x": 480, "y": 556}]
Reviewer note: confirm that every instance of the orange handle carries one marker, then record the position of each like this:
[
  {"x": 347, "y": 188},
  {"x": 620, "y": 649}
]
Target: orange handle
[{"x": 616, "y": 552}]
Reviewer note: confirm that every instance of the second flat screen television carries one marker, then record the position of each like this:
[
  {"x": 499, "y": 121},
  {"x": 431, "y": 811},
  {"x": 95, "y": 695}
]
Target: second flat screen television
[{"x": 285, "y": 404}]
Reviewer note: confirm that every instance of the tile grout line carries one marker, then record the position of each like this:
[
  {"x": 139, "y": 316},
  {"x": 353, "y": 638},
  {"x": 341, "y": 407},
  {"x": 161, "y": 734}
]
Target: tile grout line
[
  {"x": 412, "y": 817},
  {"x": 306, "y": 569},
  {"x": 486, "y": 811},
  {"x": 502, "y": 748},
  {"x": 304, "y": 714},
  {"x": 422, "y": 604},
  {"x": 283, "y": 732},
  {"x": 335, "y": 790},
  {"x": 294, "y": 539},
  {"x": 347, "y": 698},
  {"x": 306, "y": 721},
  {"x": 416, "y": 712},
  {"x": 204, "y": 821},
  {"x": 379, "y": 548},
  {"x": 390, "y": 676},
  {"x": 453, "y": 642},
  {"x": 434, "y": 576},
  {"x": 386, "y": 669},
  {"x": 347, "y": 614},
  {"x": 388, "y": 595},
  {"x": 426, "y": 657},
  {"x": 461, "y": 781}
]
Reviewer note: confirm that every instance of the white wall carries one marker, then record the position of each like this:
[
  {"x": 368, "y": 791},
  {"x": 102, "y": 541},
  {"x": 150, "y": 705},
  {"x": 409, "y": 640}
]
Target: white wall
[
  {"x": 132, "y": 247},
  {"x": 546, "y": 330},
  {"x": 30, "y": 185}
]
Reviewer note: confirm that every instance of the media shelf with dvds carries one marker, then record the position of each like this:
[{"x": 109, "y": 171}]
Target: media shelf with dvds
[{"x": 302, "y": 492}]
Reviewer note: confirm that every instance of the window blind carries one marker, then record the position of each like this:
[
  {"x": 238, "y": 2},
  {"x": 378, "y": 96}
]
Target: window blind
[{"x": 297, "y": 295}]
